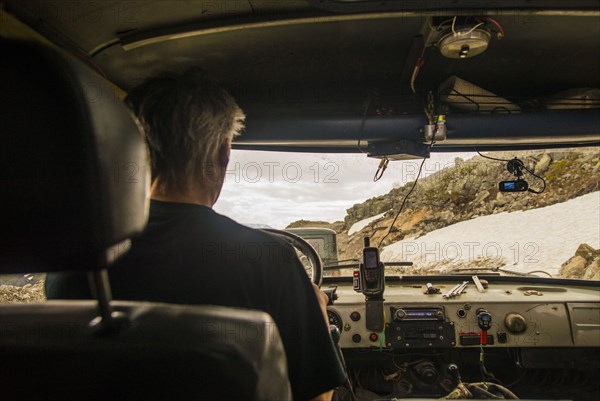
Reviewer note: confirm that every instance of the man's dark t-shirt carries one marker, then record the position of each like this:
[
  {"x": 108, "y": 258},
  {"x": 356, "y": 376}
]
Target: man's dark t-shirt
[{"x": 190, "y": 254}]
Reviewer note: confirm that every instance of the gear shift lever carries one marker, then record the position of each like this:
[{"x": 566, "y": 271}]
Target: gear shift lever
[{"x": 335, "y": 336}]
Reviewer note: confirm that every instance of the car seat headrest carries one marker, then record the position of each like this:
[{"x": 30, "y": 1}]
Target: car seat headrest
[{"x": 74, "y": 168}]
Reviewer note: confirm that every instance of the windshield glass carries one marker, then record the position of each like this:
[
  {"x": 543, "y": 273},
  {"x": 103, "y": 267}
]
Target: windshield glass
[{"x": 456, "y": 219}]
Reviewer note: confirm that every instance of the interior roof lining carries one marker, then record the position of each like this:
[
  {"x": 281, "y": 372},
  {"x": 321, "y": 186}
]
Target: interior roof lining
[
  {"x": 136, "y": 39},
  {"x": 122, "y": 62},
  {"x": 350, "y": 6}
]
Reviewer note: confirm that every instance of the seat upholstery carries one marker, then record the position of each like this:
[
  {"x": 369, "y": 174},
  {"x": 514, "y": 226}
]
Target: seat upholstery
[
  {"x": 166, "y": 352},
  {"x": 74, "y": 177}
]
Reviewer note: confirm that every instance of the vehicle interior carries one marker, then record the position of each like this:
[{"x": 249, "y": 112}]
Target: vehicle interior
[{"x": 392, "y": 80}]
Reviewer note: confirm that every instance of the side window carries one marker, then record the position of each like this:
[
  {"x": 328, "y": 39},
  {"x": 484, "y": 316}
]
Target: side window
[{"x": 22, "y": 288}]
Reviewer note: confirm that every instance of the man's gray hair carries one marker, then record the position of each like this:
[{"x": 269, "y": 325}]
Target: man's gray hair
[{"x": 187, "y": 119}]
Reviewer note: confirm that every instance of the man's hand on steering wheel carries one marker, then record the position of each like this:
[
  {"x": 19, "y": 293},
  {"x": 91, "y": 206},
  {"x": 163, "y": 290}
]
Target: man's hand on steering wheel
[{"x": 323, "y": 301}]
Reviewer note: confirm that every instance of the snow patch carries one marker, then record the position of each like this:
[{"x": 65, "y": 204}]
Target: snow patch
[
  {"x": 359, "y": 225},
  {"x": 542, "y": 238}
]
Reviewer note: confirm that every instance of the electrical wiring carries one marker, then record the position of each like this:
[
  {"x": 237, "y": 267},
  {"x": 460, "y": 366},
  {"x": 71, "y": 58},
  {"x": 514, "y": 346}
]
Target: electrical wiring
[
  {"x": 396, "y": 365},
  {"x": 495, "y": 110},
  {"x": 539, "y": 178},
  {"x": 522, "y": 166},
  {"x": 431, "y": 26},
  {"x": 491, "y": 158},
  {"x": 428, "y": 108},
  {"x": 500, "y": 108},
  {"x": 403, "y": 203},
  {"x": 492, "y": 21},
  {"x": 472, "y": 29},
  {"x": 408, "y": 194},
  {"x": 428, "y": 114},
  {"x": 469, "y": 100},
  {"x": 488, "y": 391},
  {"x": 418, "y": 65},
  {"x": 362, "y": 122},
  {"x": 541, "y": 271},
  {"x": 439, "y": 26},
  {"x": 444, "y": 23},
  {"x": 485, "y": 375},
  {"x": 381, "y": 169},
  {"x": 421, "y": 59}
]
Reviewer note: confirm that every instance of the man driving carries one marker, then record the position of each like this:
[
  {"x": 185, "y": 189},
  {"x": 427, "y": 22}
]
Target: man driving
[{"x": 189, "y": 254}]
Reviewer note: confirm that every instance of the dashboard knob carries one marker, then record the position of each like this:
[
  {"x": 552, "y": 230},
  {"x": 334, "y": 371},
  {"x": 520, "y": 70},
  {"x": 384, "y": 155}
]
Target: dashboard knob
[
  {"x": 400, "y": 314},
  {"x": 355, "y": 316},
  {"x": 515, "y": 323},
  {"x": 426, "y": 372}
]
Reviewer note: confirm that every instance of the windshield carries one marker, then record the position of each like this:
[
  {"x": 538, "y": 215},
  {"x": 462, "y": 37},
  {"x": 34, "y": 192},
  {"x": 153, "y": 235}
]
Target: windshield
[{"x": 456, "y": 220}]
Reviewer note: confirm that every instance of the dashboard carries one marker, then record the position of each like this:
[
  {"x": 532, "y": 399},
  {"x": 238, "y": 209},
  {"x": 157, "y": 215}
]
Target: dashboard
[
  {"x": 522, "y": 315},
  {"x": 541, "y": 337}
]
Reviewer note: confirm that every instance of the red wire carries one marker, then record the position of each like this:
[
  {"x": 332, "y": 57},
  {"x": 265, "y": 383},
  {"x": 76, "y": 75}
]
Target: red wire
[
  {"x": 420, "y": 62},
  {"x": 497, "y": 24}
]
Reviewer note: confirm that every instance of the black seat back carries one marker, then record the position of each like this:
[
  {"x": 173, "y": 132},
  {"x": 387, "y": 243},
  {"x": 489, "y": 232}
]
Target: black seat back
[
  {"x": 74, "y": 181},
  {"x": 73, "y": 166},
  {"x": 166, "y": 352}
]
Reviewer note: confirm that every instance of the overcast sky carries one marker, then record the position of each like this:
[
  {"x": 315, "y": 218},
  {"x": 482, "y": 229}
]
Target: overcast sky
[{"x": 277, "y": 188}]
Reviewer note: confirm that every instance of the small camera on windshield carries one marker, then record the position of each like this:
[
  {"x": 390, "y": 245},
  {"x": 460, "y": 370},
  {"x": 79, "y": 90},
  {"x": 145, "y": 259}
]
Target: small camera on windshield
[{"x": 513, "y": 186}]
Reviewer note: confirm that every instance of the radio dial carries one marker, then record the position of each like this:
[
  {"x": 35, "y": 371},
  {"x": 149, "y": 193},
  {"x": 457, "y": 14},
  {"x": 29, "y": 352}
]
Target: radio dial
[{"x": 400, "y": 314}]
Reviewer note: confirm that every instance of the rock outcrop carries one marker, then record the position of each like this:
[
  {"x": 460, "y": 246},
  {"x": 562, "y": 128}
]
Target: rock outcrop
[
  {"x": 585, "y": 264},
  {"x": 466, "y": 190},
  {"x": 29, "y": 293}
]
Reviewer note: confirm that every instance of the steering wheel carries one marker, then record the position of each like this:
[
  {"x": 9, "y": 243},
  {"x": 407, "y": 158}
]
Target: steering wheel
[{"x": 316, "y": 269}]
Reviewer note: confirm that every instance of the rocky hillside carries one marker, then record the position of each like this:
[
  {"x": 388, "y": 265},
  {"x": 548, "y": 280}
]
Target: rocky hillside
[
  {"x": 29, "y": 293},
  {"x": 338, "y": 226},
  {"x": 22, "y": 288},
  {"x": 585, "y": 264},
  {"x": 464, "y": 191}
]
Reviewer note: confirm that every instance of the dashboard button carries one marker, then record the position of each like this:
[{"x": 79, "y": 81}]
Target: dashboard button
[
  {"x": 356, "y": 338},
  {"x": 355, "y": 316},
  {"x": 373, "y": 337}
]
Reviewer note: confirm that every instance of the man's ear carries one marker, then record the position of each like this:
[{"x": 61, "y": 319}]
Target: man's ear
[{"x": 224, "y": 153}]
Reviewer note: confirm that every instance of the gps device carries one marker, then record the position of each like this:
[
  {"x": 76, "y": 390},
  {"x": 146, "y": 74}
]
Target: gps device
[
  {"x": 371, "y": 282},
  {"x": 371, "y": 272}
]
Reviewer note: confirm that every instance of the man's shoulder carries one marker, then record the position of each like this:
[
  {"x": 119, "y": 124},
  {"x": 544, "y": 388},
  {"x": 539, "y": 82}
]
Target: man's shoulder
[
  {"x": 207, "y": 234},
  {"x": 240, "y": 232},
  {"x": 204, "y": 221}
]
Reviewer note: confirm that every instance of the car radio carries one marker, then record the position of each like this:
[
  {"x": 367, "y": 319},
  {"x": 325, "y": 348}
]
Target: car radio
[
  {"x": 420, "y": 327},
  {"x": 404, "y": 314}
]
